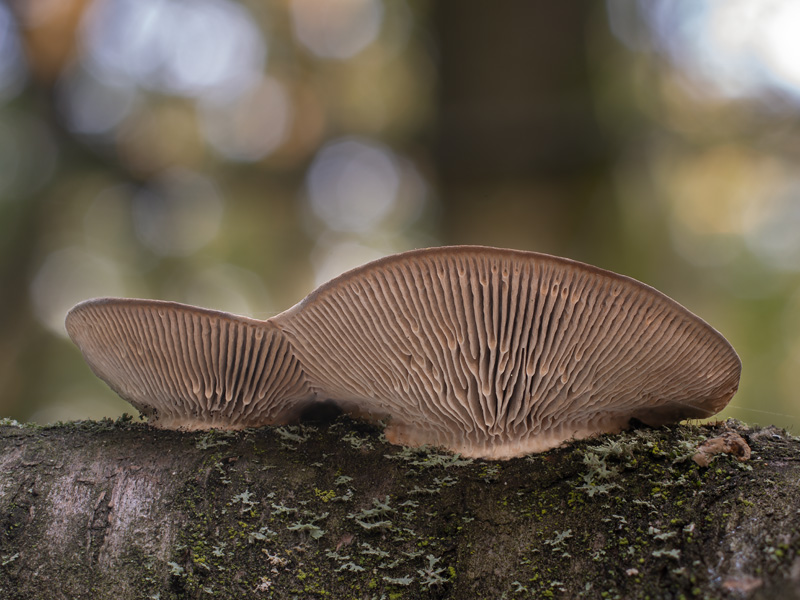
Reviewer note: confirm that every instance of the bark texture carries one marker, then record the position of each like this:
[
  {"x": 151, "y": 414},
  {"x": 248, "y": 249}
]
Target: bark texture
[{"x": 120, "y": 510}]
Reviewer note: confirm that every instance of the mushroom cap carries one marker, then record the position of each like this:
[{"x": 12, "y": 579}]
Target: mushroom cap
[
  {"x": 488, "y": 352},
  {"x": 497, "y": 353},
  {"x": 190, "y": 368}
]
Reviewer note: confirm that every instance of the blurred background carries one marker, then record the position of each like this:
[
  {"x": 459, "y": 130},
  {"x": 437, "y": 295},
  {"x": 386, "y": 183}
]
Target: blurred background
[{"x": 235, "y": 154}]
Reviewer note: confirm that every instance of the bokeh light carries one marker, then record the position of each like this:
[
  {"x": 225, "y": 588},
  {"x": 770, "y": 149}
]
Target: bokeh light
[
  {"x": 93, "y": 106},
  {"x": 251, "y": 125},
  {"x": 353, "y": 184},
  {"x": 735, "y": 48},
  {"x": 336, "y": 29},
  {"x": 202, "y": 47},
  {"x": 67, "y": 277}
]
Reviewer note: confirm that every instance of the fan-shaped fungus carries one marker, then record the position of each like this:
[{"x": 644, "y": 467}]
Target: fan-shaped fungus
[{"x": 488, "y": 352}]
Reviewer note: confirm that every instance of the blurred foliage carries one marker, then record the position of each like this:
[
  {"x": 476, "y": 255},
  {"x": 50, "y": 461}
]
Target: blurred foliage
[{"x": 236, "y": 154}]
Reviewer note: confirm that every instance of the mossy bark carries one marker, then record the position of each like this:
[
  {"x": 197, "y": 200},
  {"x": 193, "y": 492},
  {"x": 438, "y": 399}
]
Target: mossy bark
[{"x": 120, "y": 510}]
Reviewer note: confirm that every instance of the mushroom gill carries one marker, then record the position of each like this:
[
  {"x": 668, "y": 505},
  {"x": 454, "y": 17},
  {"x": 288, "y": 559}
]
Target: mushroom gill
[
  {"x": 190, "y": 368},
  {"x": 488, "y": 352}
]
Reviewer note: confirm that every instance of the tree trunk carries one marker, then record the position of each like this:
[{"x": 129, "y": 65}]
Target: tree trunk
[
  {"x": 121, "y": 510},
  {"x": 521, "y": 160}
]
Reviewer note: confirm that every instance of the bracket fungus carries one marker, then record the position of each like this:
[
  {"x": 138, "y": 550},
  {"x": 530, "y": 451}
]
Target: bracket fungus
[{"x": 488, "y": 352}]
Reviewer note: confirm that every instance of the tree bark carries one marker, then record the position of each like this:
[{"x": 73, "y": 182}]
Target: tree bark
[{"x": 120, "y": 510}]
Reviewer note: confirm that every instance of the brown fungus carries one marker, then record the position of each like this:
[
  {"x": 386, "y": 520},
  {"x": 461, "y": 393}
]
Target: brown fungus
[
  {"x": 488, "y": 352},
  {"x": 729, "y": 442}
]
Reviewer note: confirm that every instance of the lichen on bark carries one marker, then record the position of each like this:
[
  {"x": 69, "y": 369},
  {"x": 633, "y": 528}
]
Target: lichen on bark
[{"x": 120, "y": 510}]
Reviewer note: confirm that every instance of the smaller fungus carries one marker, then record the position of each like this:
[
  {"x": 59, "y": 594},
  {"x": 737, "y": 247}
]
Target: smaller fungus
[
  {"x": 488, "y": 352},
  {"x": 742, "y": 585},
  {"x": 729, "y": 442}
]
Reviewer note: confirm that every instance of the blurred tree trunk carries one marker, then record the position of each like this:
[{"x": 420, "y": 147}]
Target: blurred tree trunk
[
  {"x": 122, "y": 511},
  {"x": 521, "y": 159}
]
